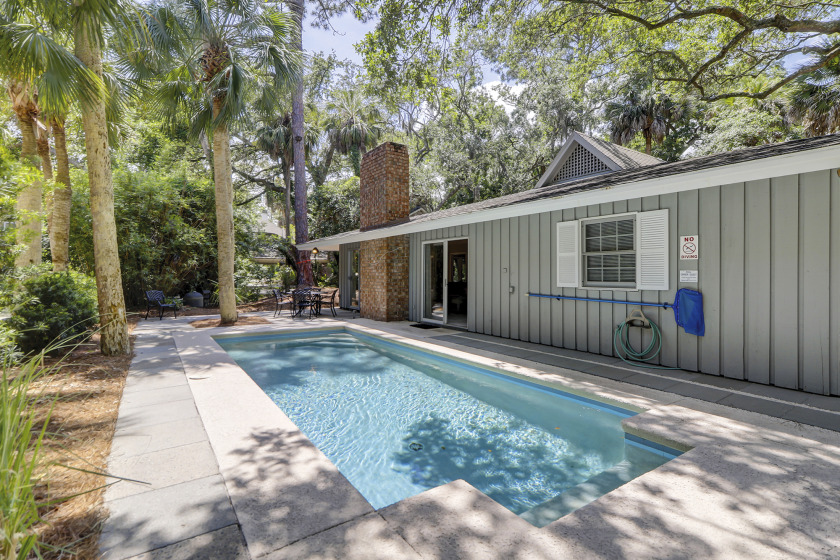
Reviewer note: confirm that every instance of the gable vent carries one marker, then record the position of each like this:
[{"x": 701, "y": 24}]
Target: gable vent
[{"x": 580, "y": 163}]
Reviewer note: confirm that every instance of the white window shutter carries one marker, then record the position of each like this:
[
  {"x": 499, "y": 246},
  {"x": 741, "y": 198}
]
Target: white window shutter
[
  {"x": 652, "y": 250},
  {"x": 568, "y": 257}
]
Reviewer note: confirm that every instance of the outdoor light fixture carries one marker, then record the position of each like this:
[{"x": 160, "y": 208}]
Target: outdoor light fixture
[{"x": 315, "y": 250}]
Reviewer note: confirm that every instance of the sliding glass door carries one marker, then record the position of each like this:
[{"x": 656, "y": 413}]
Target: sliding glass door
[
  {"x": 433, "y": 284},
  {"x": 445, "y": 282}
]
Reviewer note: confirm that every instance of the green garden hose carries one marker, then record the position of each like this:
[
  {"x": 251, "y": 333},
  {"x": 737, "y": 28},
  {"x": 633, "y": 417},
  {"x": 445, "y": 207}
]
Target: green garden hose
[{"x": 621, "y": 343}]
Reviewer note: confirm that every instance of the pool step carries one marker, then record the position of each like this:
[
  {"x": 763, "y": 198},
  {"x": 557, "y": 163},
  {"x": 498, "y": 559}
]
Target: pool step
[{"x": 580, "y": 495}]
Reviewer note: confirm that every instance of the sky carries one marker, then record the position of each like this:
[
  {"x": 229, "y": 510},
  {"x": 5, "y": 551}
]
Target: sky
[{"x": 348, "y": 32}]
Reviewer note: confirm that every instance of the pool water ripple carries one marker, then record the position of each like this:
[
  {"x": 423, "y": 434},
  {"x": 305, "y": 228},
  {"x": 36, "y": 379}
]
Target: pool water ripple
[{"x": 396, "y": 422}]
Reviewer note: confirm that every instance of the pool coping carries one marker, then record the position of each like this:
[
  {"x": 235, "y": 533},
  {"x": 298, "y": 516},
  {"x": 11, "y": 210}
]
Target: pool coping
[{"x": 288, "y": 497}]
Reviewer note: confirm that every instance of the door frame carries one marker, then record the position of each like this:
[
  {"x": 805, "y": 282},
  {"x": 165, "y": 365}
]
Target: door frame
[{"x": 424, "y": 292}]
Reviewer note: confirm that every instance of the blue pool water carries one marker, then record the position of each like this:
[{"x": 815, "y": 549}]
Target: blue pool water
[{"x": 397, "y": 421}]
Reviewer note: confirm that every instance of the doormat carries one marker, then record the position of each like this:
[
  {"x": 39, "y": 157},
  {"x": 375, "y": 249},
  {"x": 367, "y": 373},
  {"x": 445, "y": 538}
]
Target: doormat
[{"x": 424, "y": 326}]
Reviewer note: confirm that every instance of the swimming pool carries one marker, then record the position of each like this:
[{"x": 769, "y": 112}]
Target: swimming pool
[{"x": 396, "y": 421}]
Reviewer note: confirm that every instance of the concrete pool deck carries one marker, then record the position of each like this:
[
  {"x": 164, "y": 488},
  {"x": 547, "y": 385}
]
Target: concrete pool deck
[{"x": 227, "y": 475}]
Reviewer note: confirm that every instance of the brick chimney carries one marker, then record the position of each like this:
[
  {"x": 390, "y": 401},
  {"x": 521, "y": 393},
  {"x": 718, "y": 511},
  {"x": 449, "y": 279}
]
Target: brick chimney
[
  {"x": 384, "y": 186},
  {"x": 384, "y": 262}
]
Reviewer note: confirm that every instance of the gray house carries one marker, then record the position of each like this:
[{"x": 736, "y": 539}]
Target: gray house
[{"x": 756, "y": 231}]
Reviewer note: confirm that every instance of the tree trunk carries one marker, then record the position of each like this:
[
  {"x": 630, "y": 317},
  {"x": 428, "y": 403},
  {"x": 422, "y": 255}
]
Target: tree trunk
[
  {"x": 224, "y": 217},
  {"x": 356, "y": 160},
  {"x": 648, "y": 144},
  {"x": 287, "y": 208},
  {"x": 60, "y": 222},
  {"x": 29, "y": 199},
  {"x": 208, "y": 153},
  {"x": 114, "y": 331},
  {"x": 301, "y": 214},
  {"x": 43, "y": 141}
]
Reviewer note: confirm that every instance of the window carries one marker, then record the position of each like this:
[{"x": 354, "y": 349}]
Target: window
[
  {"x": 622, "y": 251},
  {"x": 609, "y": 252}
]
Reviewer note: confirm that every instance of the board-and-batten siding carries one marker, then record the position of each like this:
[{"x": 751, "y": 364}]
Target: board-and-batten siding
[{"x": 769, "y": 271}]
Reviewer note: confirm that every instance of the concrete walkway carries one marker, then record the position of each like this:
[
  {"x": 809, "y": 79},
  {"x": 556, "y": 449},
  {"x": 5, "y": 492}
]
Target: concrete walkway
[
  {"x": 225, "y": 474},
  {"x": 806, "y": 408},
  {"x": 181, "y": 508}
]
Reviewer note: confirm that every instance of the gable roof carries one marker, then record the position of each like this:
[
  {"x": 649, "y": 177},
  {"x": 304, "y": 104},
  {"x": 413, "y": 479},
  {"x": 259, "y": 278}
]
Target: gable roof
[
  {"x": 761, "y": 162},
  {"x": 627, "y": 158},
  {"x": 612, "y": 157}
]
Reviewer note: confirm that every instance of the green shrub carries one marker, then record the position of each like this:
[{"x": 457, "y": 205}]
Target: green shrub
[
  {"x": 8, "y": 345},
  {"x": 52, "y": 307},
  {"x": 285, "y": 277},
  {"x": 166, "y": 230}
]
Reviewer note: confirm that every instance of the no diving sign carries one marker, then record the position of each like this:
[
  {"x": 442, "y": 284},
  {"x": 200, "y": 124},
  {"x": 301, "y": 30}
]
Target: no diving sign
[{"x": 689, "y": 247}]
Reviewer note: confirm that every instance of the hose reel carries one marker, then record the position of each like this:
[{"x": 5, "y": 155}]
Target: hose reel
[{"x": 622, "y": 344}]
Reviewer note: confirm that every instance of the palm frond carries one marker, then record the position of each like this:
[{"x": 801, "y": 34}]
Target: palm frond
[
  {"x": 814, "y": 100},
  {"x": 31, "y": 56}
]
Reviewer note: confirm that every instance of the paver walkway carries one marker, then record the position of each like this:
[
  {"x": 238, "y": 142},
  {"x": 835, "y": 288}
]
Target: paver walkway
[{"x": 161, "y": 442}]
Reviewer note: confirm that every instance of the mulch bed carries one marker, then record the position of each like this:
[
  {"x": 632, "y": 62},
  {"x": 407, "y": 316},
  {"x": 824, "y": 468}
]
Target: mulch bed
[{"x": 87, "y": 387}]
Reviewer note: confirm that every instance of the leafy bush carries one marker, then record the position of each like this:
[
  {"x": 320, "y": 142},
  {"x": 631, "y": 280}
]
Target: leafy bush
[
  {"x": 166, "y": 231},
  {"x": 284, "y": 278},
  {"x": 51, "y": 307},
  {"x": 8, "y": 345},
  {"x": 334, "y": 208}
]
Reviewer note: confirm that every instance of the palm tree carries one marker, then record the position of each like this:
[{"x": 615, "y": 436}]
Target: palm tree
[
  {"x": 210, "y": 56},
  {"x": 275, "y": 139},
  {"x": 61, "y": 198},
  {"x": 645, "y": 113},
  {"x": 814, "y": 100},
  {"x": 353, "y": 125},
  {"x": 88, "y": 36},
  {"x": 44, "y": 78},
  {"x": 25, "y": 106},
  {"x": 60, "y": 78}
]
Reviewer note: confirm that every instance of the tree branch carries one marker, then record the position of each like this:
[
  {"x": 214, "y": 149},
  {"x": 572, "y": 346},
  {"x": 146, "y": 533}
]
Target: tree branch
[
  {"x": 253, "y": 198},
  {"x": 807, "y": 69},
  {"x": 719, "y": 56},
  {"x": 778, "y": 21},
  {"x": 269, "y": 185}
]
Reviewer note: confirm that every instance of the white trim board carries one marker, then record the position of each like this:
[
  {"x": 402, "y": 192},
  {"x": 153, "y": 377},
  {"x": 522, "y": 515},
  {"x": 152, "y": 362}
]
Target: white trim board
[{"x": 818, "y": 159}]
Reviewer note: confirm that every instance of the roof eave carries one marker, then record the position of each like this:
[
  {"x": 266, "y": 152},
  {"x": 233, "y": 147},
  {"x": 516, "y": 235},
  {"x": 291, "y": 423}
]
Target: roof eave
[{"x": 816, "y": 159}]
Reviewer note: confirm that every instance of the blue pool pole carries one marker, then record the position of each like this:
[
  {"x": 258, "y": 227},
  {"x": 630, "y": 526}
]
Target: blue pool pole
[{"x": 638, "y": 303}]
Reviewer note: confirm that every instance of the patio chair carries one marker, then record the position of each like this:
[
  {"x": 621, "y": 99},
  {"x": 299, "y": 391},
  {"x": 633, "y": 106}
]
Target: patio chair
[
  {"x": 327, "y": 300},
  {"x": 155, "y": 298},
  {"x": 280, "y": 298},
  {"x": 303, "y": 300}
]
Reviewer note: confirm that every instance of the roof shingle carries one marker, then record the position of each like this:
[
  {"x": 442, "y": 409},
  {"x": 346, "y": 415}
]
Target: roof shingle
[
  {"x": 624, "y": 157},
  {"x": 657, "y": 170}
]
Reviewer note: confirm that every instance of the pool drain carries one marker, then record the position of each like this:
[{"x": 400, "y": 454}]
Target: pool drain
[{"x": 414, "y": 446}]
